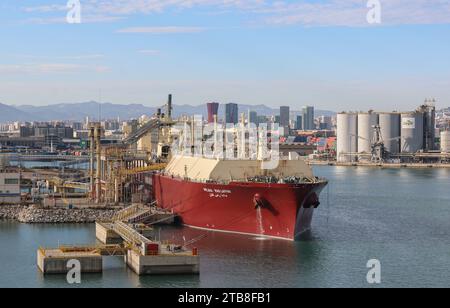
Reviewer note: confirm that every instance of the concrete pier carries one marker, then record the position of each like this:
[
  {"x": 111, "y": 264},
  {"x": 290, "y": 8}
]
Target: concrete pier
[
  {"x": 176, "y": 264},
  {"x": 55, "y": 261},
  {"x": 105, "y": 234},
  {"x": 132, "y": 240}
]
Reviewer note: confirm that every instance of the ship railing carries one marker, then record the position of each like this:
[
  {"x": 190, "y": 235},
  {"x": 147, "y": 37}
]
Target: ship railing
[
  {"x": 320, "y": 180},
  {"x": 129, "y": 234},
  {"x": 262, "y": 180},
  {"x": 134, "y": 210}
]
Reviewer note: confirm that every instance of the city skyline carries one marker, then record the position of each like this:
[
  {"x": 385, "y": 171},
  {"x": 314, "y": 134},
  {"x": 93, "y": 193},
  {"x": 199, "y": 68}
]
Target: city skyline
[{"x": 274, "y": 53}]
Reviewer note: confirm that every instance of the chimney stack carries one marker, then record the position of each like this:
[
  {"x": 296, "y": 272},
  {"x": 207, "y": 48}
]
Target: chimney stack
[{"x": 169, "y": 107}]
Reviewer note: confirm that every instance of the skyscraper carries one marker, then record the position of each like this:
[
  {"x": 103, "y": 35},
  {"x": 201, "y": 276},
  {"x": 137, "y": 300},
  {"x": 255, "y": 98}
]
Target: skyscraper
[
  {"x": 299, "y": 123},
  {"x": 213, "y": 109},
  {"x": 231, "y": 113},
  {"x": 253, "y": 117},
  {"x": 308, "y": 118},
  {"x": 284, "y": 116},
  {"x": 325, "y": 122}
]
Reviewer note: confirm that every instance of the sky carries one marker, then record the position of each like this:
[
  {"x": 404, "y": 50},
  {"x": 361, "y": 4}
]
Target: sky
[{"x": 324, "y": 53}]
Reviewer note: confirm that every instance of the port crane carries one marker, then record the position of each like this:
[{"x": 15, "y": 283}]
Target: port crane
[
  {"x": 156, "y": 123},
  {"x": 377, "y": 144}
]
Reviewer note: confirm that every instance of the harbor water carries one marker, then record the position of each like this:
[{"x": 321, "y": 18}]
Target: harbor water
[{"x": 400, "y": 217}]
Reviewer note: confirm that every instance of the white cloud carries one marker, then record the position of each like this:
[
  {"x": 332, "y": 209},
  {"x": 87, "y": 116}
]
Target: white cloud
[
  {"x": 149, "y": 52},
  {"x": 272, "y": 12},
  {"x": 49, "y": 68},
  {"x": 86, "y": 19},
  {"x": 162, "y": 30},
  {"x": 84, "y": 57},
  {"x": 354, "y": 12},
  {"x": 128, "y": 7},
  {"x": 46, "y": 8},
  {"x": 71, "y": 57}
]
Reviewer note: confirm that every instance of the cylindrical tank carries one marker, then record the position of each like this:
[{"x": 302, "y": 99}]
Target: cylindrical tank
[
  {"x": 390, "y": 130},
  {"x": 347, "y": 131},
  {"x": 445, "y": 142},
  {"x": 412, "y": 132},
  {"x": 366, "y": 123}
]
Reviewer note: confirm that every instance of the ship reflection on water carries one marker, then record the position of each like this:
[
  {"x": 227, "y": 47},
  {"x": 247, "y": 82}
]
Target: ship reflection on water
[{"x": 233, "y": 260}]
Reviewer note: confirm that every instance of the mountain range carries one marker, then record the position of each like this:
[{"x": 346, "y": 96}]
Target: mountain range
[{"x": 79, "y": 111}]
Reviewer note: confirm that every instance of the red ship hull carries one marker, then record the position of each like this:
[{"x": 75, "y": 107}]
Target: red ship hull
[{"x": 274, "y": 210}]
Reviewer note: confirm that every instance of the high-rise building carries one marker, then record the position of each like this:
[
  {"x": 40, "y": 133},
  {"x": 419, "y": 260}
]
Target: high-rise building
[
  {"x": 213, "y": 110},
  {"x": 325, "y": 122},
  {"x": 308, "y": 118},
  {"x": 231, "y": 113},
  {"x": 285, "y": 113},
  {"x": 262, "y": 120},
  {"x": 26, "y": 131},
  {"x": 299, "y": 123},
  {"x": 77, "y": 125},
  {"x": 253, "y": 117}
]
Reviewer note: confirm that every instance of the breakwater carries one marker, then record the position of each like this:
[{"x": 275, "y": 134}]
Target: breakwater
[{"x": 36, "y": 215}]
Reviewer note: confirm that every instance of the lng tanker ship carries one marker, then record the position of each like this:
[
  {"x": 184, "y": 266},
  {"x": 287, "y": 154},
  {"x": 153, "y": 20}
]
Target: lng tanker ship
[{"x": 239, "y": 196}]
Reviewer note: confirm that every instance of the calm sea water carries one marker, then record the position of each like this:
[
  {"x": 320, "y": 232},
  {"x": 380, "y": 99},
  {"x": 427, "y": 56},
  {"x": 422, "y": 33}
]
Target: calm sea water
[{"x": 401, "y": 217}]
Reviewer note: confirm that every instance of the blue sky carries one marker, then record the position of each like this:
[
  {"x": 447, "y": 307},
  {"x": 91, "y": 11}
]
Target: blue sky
[{"x": 321, "y": 53}]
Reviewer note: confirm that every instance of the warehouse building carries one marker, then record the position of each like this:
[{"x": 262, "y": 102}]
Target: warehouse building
[{"x": 9, "y": 186}]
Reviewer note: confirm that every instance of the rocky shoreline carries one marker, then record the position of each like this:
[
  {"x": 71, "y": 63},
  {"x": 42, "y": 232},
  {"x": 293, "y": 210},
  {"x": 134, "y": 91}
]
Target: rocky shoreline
[
  {"x": 10, "y": 212},
  {"x": 34, "y": 215}
]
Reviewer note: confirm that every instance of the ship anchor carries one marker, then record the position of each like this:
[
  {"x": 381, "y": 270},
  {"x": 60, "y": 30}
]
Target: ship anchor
[{"x": 258, "y": 201}]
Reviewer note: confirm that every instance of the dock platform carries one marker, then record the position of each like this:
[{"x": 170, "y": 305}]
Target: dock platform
[
  {"x": 125, "y": 236},
  {"x": 54, "y": 261},
  {"x": 163, "y": 264}
]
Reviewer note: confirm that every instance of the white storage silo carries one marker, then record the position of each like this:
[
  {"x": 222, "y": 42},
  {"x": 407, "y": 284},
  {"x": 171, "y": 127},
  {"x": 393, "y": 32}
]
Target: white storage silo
[
  {"x": 347, "y": 131},
  {"x": 366, "y": 123},
  {"x": 445, "y": 142},
  {"x": 412, "y": 132},
  {"x": 390, "y": 129}
]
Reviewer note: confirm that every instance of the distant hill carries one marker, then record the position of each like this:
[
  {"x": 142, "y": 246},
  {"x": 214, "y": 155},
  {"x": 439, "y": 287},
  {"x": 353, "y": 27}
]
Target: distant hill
[
  {"x": 10, "y": 114},
  {"x": 79, "y": 111}
]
